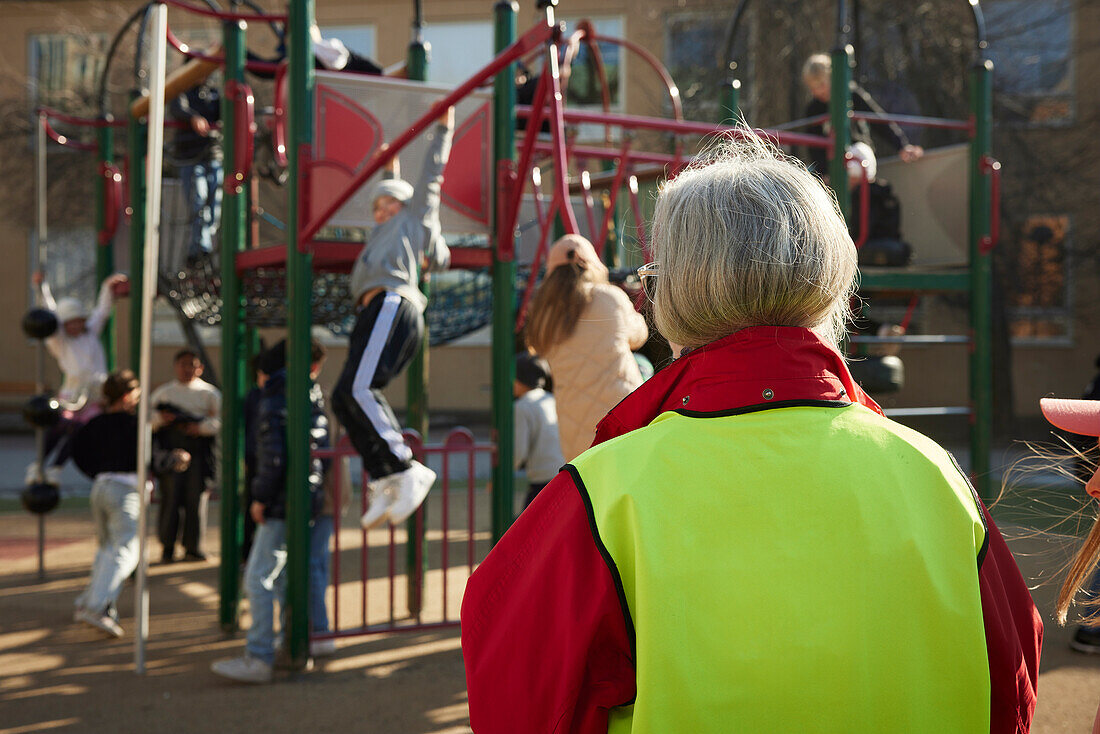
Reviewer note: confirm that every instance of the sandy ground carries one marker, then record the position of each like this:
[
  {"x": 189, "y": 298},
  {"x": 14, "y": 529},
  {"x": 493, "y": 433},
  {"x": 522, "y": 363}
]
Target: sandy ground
[{"x": 57, "y": 675}]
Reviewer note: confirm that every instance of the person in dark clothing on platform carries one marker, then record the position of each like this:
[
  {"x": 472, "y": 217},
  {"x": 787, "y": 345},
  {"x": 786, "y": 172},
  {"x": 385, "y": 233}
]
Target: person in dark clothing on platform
[
  {"x": 198, "y": 153},
  {"x": 816, "y": 75},
  {"x": 105, "y": 449},
  {"x": 265, "y": 573}
]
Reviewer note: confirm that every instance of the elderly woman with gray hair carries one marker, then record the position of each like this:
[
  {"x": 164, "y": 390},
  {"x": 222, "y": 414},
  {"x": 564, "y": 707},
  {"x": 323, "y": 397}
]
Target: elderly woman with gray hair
[{"x": 751, "y": 545}]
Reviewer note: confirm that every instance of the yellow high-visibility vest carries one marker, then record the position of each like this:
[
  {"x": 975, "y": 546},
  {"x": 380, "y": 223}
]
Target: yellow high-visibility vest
[{"x": 795, "y": 569}]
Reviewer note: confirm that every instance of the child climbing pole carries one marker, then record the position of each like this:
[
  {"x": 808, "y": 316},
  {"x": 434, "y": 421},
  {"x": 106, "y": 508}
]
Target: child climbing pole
[{"x": 389, "y": 327}]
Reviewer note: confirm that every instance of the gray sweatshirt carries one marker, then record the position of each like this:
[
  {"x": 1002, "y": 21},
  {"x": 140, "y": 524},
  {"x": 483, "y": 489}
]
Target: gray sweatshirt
[{"x": 390, "y": 258}]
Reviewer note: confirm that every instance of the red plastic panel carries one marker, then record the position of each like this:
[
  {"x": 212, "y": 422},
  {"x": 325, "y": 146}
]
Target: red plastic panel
[{"x": 466, "y": 183}]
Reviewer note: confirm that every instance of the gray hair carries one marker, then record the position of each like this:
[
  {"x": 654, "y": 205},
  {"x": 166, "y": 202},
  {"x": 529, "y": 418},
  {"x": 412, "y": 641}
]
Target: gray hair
[
  {"x": 749, "y": 237},
  {"x": 817, "y": 66}
]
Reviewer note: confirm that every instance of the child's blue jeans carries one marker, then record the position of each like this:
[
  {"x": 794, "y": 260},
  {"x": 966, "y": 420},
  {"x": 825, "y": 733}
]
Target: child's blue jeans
[{"x": 265, "y": 581}]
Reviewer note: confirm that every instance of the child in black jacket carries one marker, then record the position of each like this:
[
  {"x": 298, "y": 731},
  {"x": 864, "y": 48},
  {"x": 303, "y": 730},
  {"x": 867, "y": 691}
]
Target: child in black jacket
[{"x": 265, "y": 572}]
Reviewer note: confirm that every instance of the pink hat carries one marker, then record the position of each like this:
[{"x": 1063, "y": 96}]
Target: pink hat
[
  {"x": 574, "y": 248},
  {"x": 1076, "y": 416}
]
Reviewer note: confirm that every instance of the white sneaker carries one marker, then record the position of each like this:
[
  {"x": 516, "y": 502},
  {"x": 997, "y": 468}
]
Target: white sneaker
[
  {"x": 322, "y": 648},
  {"x": 101, "y": 622},
  {"x": 245, "y": 669},
  {"x": 382, "y": 494},
  {"x": 53, "y": 475},
  {"x": 413, "y": 487},
  {"x": 32, "y": 473}
]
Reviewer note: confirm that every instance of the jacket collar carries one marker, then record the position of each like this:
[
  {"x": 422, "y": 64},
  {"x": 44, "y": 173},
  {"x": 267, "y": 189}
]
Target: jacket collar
[{"x": 758, "y": 366}]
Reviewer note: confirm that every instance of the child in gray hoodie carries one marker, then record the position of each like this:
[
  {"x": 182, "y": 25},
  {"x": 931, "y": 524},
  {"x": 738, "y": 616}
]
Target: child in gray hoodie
[{"x": 389, "y": 327}]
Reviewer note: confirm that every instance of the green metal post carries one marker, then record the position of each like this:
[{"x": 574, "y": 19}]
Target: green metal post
[
  {"x": 299, "y": 274},
  {"x": 416, "y": 384},
  {"x": 981, "y": 281},
  {"x": 105, "y": 251},
  {"x": 504, "y": 277},
  {"x": 730, "y": 101},
  {"x": 136, "y": 133},
  {"x": 233, "y": 235},
  {"x": 840, "y": 110}
]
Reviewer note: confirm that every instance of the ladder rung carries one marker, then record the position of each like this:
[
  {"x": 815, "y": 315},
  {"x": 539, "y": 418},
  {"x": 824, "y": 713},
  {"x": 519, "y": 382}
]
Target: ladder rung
[
  {"x": 912, "y": 339},
  {"x": 919, "y": 412}
]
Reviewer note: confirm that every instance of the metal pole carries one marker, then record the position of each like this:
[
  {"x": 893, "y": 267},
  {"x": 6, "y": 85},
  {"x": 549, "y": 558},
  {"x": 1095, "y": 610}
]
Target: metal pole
[
  {"x": 299, "y": 272},
  {"x": 730, "y": 101},
  {"x": 504, "y": 276},
  {"x": 40, "y": 350},
  {"x": 136, "y": 132},
  {"x": 233, "y": 236},
  {"x": 981, "y": 282},
  {"x": 105, "y": 252},
  {"x": 840, "y": 110},
  {"x": 154, "y": 153},
  {"x": 416, "y": 385}
]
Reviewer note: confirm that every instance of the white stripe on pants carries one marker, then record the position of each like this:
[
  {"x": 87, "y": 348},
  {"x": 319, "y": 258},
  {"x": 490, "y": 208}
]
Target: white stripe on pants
[{"x": 364, "y": 377}]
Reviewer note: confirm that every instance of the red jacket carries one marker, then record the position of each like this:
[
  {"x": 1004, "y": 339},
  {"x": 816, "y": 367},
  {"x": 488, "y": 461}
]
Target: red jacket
[{"x": 545, "y": 636}]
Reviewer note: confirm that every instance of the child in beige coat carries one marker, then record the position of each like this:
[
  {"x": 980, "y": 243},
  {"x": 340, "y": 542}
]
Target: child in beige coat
[{"x": 586, "y": 329}]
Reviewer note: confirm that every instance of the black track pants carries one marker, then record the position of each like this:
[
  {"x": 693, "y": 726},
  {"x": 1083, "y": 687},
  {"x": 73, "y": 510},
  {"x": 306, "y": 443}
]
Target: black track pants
[{"x": 388, "y": 331}]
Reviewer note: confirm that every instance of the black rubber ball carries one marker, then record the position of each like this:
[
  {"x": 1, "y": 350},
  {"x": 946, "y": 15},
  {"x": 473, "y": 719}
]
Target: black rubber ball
[
  {"x": 42, "y": 411},
  {"x": 39, "y": 323},
  {"x": 40, "y": 497}
]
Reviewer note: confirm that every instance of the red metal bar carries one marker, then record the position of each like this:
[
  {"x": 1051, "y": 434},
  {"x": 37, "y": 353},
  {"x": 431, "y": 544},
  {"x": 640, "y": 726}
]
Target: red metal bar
[
  {"x": 686, "y": 127},
  {"x": 557, "y": 136},
  {"x": 393, "y": 573},
  {"x": 64, "y": 140},
  {"x": 364, "y": 550},
  {"x": 75, "y": 120},
  {"x": 992, "y": 167},
  {"x": 445, "y": 519},
  {"x": 531, "y": 39},
  {"x": 222, "y": 15},
  {"x": 112, "y": 199},
  {"x": 909, "y": 313},
  {"x": 278, "y": 122},
  {"x": 244, "y": 136},
  {"x": 662, "y": 72},
  {"x": 607, "y": 154},
  {"x": 941, "y": 123},
  {"x": 265, "y": 67},
  {"x": 528, "y": 291},
  {"x": 864, "y": 202}
]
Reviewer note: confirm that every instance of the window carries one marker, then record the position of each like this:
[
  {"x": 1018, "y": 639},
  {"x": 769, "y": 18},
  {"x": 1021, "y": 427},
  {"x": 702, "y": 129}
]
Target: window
[
  {"x": 1031, "y": 44},
  {"x": 63, "y": 70},
  {"x": 693, "y": 46},
  {"x": 459, "y": 50},
  {"x": 360, "y": 39},
  {"x": 1039, "y": 302}
]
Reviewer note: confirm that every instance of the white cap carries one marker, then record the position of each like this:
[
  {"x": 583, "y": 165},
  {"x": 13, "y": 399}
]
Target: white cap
[
  {"x": 862, "y": 156},
  {"x": 69, "y": 309},
  {"x": 395, "y": 187},
  {"x": 331, "y": 52}
]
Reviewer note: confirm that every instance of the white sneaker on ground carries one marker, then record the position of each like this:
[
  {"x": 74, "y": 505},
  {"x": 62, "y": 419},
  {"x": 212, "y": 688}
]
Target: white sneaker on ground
[
  {"x": 101, "y": 622},
  {"x": 53, "y": 475},
  {"x": 245, "y": 669},
  {"x": 322, "y": 648},
  {"x": 32, "y": 473},
  {"x": 382, "y": 495},
  {"x": 412, "y": 488}
]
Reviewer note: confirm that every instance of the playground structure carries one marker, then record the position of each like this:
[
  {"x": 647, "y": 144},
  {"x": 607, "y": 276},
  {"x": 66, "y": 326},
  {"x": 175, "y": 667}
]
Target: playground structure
[{"x": 305, "y": 270}]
